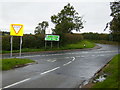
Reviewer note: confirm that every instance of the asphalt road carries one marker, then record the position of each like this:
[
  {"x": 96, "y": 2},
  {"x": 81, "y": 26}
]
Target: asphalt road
[{"x": 64, "y": 69}]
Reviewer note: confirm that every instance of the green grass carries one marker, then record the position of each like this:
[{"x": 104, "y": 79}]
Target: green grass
[
  {"x": 78, "y": 45},
  {"x": 7, "y": 64},
  {"x": 113, "y": 78}
]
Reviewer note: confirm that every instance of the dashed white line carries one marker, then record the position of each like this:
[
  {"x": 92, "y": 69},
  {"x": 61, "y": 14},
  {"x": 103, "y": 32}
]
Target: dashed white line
[
  {"x": 101, "y": 55},
  {"x": 51, "y": 60},
  {"x": 67, "y": 63},
  {"x": 50, "y": 70},
  {"x": 16, "y": 83}
]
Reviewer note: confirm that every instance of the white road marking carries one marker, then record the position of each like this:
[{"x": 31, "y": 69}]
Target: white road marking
[
  {"x": 101, "y": 55},
  {"x": 67, "y": 63},
  {"x": 82, "y": 56},
  {"x": 50, "y": 70},
  {"x": 67, "y": 57},
  {"x": 73, "y": 59},
  {"x": 16, "y": 83},
  {"x": 51, "y": 60},
  {"x": 85, "y": 52}
]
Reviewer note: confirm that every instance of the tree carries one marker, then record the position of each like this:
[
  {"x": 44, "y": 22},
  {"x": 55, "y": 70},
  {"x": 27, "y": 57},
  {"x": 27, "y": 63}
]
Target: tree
[
  {"x": 40, "y": 29},
  {"x": 115, "y": 22},
  {"x": 67, "y": 20}
]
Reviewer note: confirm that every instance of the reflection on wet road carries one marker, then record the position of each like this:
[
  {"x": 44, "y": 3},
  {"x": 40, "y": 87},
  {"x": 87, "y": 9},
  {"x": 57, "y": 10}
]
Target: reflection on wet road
[{"x": 64, "y": 69}]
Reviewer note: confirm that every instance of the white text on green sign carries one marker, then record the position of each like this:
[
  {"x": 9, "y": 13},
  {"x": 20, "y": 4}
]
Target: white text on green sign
[{"x": 52, "y": 38}]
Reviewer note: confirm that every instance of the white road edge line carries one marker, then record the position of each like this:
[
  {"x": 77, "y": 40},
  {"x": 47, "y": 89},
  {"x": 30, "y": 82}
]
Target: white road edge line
[
  {"x": 16, "y": 83},
  {"x": 49, "y": 70}
]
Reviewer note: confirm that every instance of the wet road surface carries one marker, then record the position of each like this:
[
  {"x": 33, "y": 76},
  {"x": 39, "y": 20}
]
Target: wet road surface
[{"x": 59, "y": 69}]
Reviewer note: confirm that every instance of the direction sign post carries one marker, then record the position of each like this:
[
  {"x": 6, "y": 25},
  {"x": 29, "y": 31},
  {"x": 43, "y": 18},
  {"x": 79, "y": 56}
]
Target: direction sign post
[
  {"x": 20, "y": 44},
  {"x": 16, "y": 30},
  {"x": 11, "y": 45},
  {"x": 52, "y": 38},
  {"x": 51, "y": 44}
]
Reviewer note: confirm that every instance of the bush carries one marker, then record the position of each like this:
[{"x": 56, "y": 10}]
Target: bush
[
  {"x": 70, "y": 38},
  {"x": 37, "y": 41}
]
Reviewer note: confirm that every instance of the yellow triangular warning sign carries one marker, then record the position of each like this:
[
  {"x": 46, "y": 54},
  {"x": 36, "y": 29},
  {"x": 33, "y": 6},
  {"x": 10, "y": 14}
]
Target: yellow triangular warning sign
[{"x": 16, "y": 29}]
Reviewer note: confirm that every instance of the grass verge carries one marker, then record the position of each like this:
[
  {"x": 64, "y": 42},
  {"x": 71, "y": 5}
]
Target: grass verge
[
  {"x": 113, "y": 78},
  {"x": 79, "y": 45},
  {"x": 11, "y": 63}
]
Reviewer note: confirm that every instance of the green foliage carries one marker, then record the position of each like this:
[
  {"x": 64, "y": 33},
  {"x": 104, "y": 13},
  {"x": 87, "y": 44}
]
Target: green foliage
[
  {"x": 70, "y": 38},
  {"x": 40, "y": 29},
  {"x": 115, "y": 23},
  {"x": 6, "y": 43},
  {"x": 67, "y": 20},
  {"x": 78, "y": 45},
  {"x": 115, "y": 28},
  {"x": 112, "y": 81},
  {"x": 13, "y": 62},
  {"x": 96, "y": 36},
  {"x": 37, "y": 41}
]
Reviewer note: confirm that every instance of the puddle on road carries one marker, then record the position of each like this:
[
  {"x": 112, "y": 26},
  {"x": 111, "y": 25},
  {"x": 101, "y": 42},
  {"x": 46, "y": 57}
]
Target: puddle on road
[{"x": 100, "y": 78}]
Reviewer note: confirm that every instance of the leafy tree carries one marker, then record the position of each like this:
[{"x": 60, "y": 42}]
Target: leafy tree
[
  {"x": 40, "y": 29},
  {"x": 115, "y": 22},
  {"x": 67, "y": 20}
]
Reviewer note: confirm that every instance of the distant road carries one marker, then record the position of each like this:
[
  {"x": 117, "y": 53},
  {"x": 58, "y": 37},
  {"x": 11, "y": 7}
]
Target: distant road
[{"x": 65, "y": 69}]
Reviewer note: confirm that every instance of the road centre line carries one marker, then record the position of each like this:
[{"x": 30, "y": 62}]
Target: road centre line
[
  {"x": 50, "y": 70},
  {"x": 67, "y": 63},
  {"x": 40, "y": 74},
  {"x": 16, "y": 83},
  {"x": 51, "y": 60}
]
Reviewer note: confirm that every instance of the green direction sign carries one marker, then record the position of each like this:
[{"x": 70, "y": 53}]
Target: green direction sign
[{"x": 52, "y": 38}]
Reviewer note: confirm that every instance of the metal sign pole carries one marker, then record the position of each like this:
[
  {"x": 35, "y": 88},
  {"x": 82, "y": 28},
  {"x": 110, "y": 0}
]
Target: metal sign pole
[
  {"x": 51, "y": 44},
  {"x": 20, "y": 45},
  {"x": 58, "y": 44},
  {"x": 11, "y": 45},
  {"x": 45, "y": 44}
]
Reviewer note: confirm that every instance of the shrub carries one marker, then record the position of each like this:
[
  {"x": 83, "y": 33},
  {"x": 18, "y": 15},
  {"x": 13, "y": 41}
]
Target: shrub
[{"x": 37, "y": 41}]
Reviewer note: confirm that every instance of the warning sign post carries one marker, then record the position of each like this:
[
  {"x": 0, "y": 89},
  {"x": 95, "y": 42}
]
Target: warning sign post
[{"x": 16, "y": 30}]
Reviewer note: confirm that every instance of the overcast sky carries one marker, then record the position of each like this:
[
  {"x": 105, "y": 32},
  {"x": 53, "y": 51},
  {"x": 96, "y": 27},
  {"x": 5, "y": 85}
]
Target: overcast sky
[{"x": 30, "y": 13}]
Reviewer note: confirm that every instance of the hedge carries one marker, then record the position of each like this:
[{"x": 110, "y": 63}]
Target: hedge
[{"x": 37, "y": 41}]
